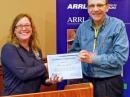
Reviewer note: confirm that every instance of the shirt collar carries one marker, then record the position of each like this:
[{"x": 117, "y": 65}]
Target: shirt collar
[{"x": 106, "y": 21}]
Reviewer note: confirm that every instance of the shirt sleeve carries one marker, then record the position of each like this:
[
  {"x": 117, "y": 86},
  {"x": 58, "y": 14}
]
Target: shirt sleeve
[
  {"x": 11, "y": 59},
  {"x": 119, "y": 54},
  {"x": 76, "y": 43}
]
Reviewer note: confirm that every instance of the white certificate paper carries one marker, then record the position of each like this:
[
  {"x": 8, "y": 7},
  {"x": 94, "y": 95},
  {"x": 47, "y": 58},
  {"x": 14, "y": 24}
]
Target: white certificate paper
[{"x": 67, "y": 66}]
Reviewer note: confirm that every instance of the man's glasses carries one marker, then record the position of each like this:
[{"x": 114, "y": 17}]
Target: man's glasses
[
  {"x": 21, "y": 26},
  {"x": 91, "y": 6}
]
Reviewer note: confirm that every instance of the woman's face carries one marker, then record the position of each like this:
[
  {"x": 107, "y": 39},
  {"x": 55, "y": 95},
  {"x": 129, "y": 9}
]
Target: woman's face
[{"x": 23, "y": 29}]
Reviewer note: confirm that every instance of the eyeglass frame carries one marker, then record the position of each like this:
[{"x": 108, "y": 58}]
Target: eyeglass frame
[
  {"x": 21, "y": 26},
  {"x": 91, "y": 6}
]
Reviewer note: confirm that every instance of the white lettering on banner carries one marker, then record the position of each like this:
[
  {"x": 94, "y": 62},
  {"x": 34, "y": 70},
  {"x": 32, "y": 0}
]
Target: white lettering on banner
[
  {"x": 84, "y": 6},
  {"x": 75, "y": 19},
  {"x": 112, "y": 6},
  {"x": 77, "y": 6}
]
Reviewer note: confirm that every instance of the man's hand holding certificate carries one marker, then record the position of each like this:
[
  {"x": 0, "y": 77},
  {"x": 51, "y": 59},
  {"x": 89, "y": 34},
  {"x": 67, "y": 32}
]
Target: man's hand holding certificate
[{"x": 67, "y": 66}]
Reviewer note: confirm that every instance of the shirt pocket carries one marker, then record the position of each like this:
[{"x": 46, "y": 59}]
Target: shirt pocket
[
  {"x": 107, "y": 43},
  {"x": 87, "y": 42}
]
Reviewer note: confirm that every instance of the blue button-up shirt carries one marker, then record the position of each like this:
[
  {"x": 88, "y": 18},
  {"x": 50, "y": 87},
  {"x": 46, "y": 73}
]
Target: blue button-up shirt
[{"x": 112, "y": 47}]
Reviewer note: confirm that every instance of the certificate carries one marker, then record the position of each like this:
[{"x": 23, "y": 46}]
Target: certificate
[{"x": 67, "y": 66}]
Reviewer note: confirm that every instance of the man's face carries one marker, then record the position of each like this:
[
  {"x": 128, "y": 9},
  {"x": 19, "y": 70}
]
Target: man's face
[{"x": 97, "y": 9}]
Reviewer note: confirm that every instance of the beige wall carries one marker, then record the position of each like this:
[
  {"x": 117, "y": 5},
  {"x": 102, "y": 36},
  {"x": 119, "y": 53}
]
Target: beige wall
[{"x": 43, "y": 13}]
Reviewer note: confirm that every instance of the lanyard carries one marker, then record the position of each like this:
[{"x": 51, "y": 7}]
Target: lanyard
[{"x": 96, "y": 31}]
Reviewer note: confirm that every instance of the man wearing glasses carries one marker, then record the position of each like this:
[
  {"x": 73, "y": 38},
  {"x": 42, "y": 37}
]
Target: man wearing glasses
[{"x": 103, "y": 47}]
